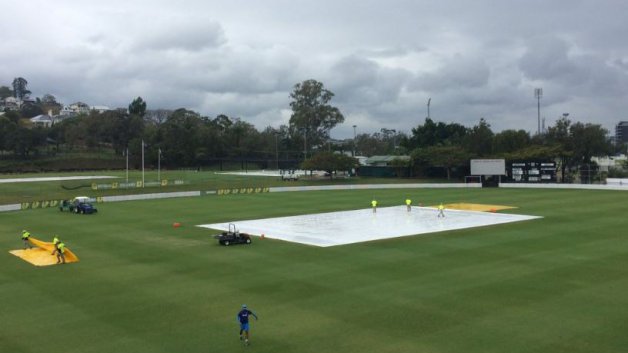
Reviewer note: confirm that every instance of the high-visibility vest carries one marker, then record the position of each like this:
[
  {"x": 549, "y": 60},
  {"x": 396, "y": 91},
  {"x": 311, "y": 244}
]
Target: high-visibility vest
[
  {"x": 408, "y": 202},
  {"x": 61, "y": 247},
  {"x": 374, "y": 203},
  {"x": 55, "y": 240},
  {"x": 25, "y": 235}
]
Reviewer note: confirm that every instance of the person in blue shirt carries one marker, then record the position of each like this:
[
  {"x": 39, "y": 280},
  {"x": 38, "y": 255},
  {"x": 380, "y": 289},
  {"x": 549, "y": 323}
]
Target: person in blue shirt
[{"x": 243, "y": 319}]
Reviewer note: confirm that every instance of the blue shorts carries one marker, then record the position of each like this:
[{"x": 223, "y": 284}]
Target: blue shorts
[{"x": 244, "y": 327}]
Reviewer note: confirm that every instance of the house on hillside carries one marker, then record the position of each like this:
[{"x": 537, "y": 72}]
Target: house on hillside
[
  {"x": 100, "y": 108},
  {"x": 44, "y": 120},
  {"x": 11, "y": 103},
  {"x": 80, "y": 108}
]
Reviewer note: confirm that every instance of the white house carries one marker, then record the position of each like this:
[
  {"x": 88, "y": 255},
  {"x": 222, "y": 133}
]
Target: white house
[
  {"x": 44, "y": 120},
  {"x": 100, "y": 108},
  {"x": 11, "y": 103},
  {"x": 79, "y": 108},
  {"x": 609, "y": 162}
]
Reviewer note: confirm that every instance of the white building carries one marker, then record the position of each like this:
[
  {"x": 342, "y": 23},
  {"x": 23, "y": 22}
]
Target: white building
[
  {"x": 100, "y": 108},
  {"x": 44, "y": 120},
  {"x": 609, "y": 162}
]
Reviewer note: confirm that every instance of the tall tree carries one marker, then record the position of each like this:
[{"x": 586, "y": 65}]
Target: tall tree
[
  {"x": 589, "y": 140},
  {"x": 181, "y": 137},
  {"x": 432, "y": 134},
  {"x": 49, "y": 103},
  {"x": 138, "y": 107},
  {"x": 445, "y": 157},
  {"x": 329, "y": 162},
  {"x": 5, "y": 92},
  {"x": 558, "y": 136},
  {"x": 312, "y": 114},
  {"x": 19, "y": 88},
  {"x": 479, "y": 139},
  {"x": 7, "y": 129},
  {"x": 510, "y": 140},
  {"x": 30, "y": 109}
]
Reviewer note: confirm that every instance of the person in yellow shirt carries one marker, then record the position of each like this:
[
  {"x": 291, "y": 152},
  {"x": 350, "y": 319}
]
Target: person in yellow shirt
[
  {"x": 441, "y": 210},
  {"x": 55, "y": 241},
  {"x": 60, "y": 250},
  {"x": 374, "y": 205},
  {"x": 408, "y": 204},
  {"x": 25, "y": 236}
]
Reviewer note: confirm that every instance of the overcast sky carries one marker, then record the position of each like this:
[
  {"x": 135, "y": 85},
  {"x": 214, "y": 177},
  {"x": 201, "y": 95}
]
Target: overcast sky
[{"x": 382, "y": 59}]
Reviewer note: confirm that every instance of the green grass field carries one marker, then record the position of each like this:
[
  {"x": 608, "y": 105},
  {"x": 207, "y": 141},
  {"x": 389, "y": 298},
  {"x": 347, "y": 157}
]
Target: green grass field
[{"x": 557, "y": 284}]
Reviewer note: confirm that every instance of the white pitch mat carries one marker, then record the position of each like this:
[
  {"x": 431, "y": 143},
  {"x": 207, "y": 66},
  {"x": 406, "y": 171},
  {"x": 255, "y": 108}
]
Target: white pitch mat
[{"x": 347, "y": 227}]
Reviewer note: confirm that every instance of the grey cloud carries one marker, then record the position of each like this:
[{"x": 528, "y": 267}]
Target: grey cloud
[
  {"x": 456, "y": 73},
  {"x": 546, "y": 59},
  {"x": 364, "y": 83},
  {"x": 188, "y": 36}
]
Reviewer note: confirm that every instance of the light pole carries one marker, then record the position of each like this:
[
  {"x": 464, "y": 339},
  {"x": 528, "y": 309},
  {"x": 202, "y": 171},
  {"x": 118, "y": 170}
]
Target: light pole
[
  {"x": 277, "y": 149},
  {"x": 394, "y": 131},
  {"x": 143, "y": 163},
  {"x": 127, "y": 164},
  {"x": 354, "y": 153},
  {"x": 305, "y": 144},
  {"x": 429, "y": 100},
  {"x": 538, "y": 93},
  {"x": 159, "y": 164}
]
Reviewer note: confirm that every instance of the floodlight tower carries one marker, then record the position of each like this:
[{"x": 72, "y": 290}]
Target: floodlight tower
[
  {"x": 354, "y": 126},
  {"x": 429, "y": 100},
  {"x": 538, "y": 93}
]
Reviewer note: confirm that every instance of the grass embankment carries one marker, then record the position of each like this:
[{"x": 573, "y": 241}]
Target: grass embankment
[{"x": 555, "y": 284}]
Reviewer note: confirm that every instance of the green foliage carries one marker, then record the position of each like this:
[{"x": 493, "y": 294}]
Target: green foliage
[
  {"x": 329, "y": 162},
  {"x": 479, "y": 140},
  {"x": 19, "y": 88},
  {"x": 312, "y": 114},
  {"x": 509, "y": 141},
  {"x": 137, "y": 107},
  {"x": 534, "y": 152},
  {"x": 433, "y": 134},
  {"x": 30, "y": 110},
  {"x": 49, "y": 103},
  {"x": 5, "y": 92},
  {"x": 445, "y": 157},
  {"x": 188, "y": 139},
  {"x": 589, "y": 140}
]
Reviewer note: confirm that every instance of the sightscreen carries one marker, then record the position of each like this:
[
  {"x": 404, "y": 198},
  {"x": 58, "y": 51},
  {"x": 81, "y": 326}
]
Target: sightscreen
[{"x": 488, "y": 167}]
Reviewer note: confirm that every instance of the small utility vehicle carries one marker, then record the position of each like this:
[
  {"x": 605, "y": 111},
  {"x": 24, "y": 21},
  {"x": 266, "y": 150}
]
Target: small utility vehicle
[
  {"x": 233, "y": 236},
  {"x": 78, "y": 205}
]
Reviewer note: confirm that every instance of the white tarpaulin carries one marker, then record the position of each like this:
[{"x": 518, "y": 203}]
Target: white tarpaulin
[{"x": 347, "y": 227}]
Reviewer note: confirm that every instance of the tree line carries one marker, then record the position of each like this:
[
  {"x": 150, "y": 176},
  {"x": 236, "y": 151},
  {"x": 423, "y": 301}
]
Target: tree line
[{"x": 188, "y": 139}]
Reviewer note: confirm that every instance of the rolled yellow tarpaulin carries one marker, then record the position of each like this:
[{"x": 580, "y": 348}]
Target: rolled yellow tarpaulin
[{"x": 475, "y": 207}]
